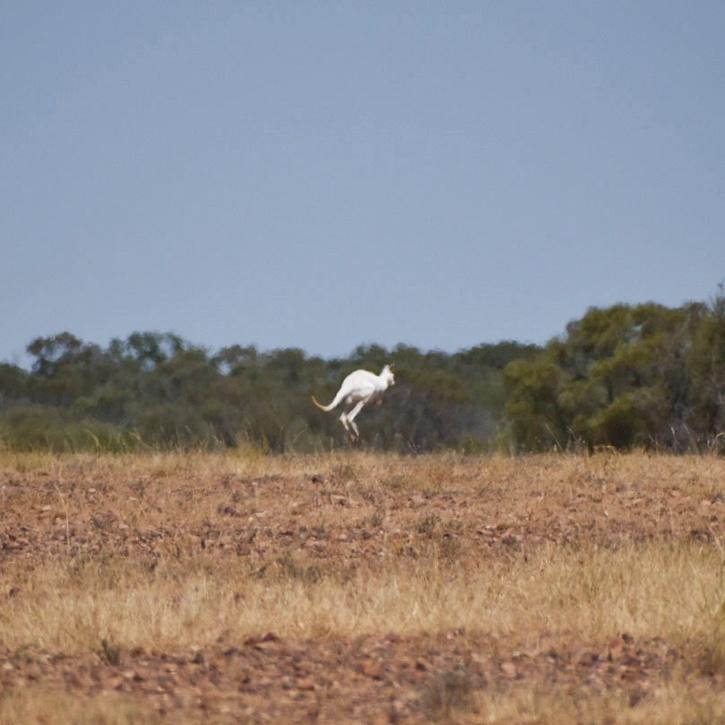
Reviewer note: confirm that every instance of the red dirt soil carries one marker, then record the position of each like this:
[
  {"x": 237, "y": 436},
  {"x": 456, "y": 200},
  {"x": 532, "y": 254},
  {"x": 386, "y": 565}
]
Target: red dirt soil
[{"x": 340, "y": 518}]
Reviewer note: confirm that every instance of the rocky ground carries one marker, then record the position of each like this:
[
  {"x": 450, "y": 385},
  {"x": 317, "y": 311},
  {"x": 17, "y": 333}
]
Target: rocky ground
[{"x": 332, "y": 517}]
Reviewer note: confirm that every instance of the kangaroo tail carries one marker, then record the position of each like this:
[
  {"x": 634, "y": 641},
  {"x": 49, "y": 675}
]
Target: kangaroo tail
[{"x": 327, "y": 408}]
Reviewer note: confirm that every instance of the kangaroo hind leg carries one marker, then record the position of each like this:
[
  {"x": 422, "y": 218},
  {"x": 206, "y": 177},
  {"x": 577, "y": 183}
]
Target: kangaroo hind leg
[
  {"x": 344, "y": 421},
  {"x": 353, "y": 414}
]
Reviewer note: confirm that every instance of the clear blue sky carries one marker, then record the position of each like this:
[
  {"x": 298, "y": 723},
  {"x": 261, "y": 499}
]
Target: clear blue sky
[{"x": 327, "y": 174}]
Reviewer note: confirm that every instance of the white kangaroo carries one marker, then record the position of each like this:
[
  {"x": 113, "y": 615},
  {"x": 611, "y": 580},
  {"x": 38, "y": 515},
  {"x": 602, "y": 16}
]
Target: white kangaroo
[{"x": 358, "y": 389}]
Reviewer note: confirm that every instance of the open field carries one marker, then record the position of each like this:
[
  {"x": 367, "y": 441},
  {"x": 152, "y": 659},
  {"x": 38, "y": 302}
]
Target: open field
[{"x": 362, "y": 587}]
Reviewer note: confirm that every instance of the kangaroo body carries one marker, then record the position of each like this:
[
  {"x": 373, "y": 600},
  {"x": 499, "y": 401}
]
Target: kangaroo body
[{"x": 357, "y": 390}]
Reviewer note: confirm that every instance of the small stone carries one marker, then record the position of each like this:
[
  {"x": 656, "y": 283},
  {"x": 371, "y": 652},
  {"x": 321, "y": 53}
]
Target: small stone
[
  {"x": 509, "y": 669},
  {"x": 371, "y": 668}
]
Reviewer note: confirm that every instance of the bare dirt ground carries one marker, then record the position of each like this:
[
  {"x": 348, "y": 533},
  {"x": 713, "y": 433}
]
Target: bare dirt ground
[{"x": 362, "y": 588}]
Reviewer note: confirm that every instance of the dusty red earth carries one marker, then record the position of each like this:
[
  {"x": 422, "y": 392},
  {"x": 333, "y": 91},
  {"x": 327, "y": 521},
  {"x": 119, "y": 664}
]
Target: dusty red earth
[
  {"x": 342, "y": 518},
  {"x": 364, "y": 679},
  {"x": 339, "y": 518}
]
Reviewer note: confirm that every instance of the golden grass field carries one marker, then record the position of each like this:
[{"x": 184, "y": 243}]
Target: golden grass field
[{"x": 361, "y": 587}]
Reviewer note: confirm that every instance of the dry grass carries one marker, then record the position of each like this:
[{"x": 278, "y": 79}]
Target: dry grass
[
  {"x": 426, "y": 470},
  {"x": 674, "y": 590},
  {"x": 565, "y": 549},
  {"x": 49, "y": 707},
  {"x": 673, "y": 704}
]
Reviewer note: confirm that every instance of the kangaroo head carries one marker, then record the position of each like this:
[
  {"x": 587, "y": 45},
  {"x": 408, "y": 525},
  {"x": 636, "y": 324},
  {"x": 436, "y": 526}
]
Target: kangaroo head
[{"x": 387, "y": 375}]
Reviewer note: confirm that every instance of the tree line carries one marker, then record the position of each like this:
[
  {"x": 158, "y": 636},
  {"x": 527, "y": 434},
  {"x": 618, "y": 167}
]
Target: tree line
[{"x": 623, "y": 376}]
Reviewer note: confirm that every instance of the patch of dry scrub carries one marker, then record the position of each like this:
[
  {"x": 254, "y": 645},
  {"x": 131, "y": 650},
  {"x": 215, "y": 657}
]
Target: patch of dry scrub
[
  {"x": 670, "y": 590},
  {"x": 355, "y": 586}
]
